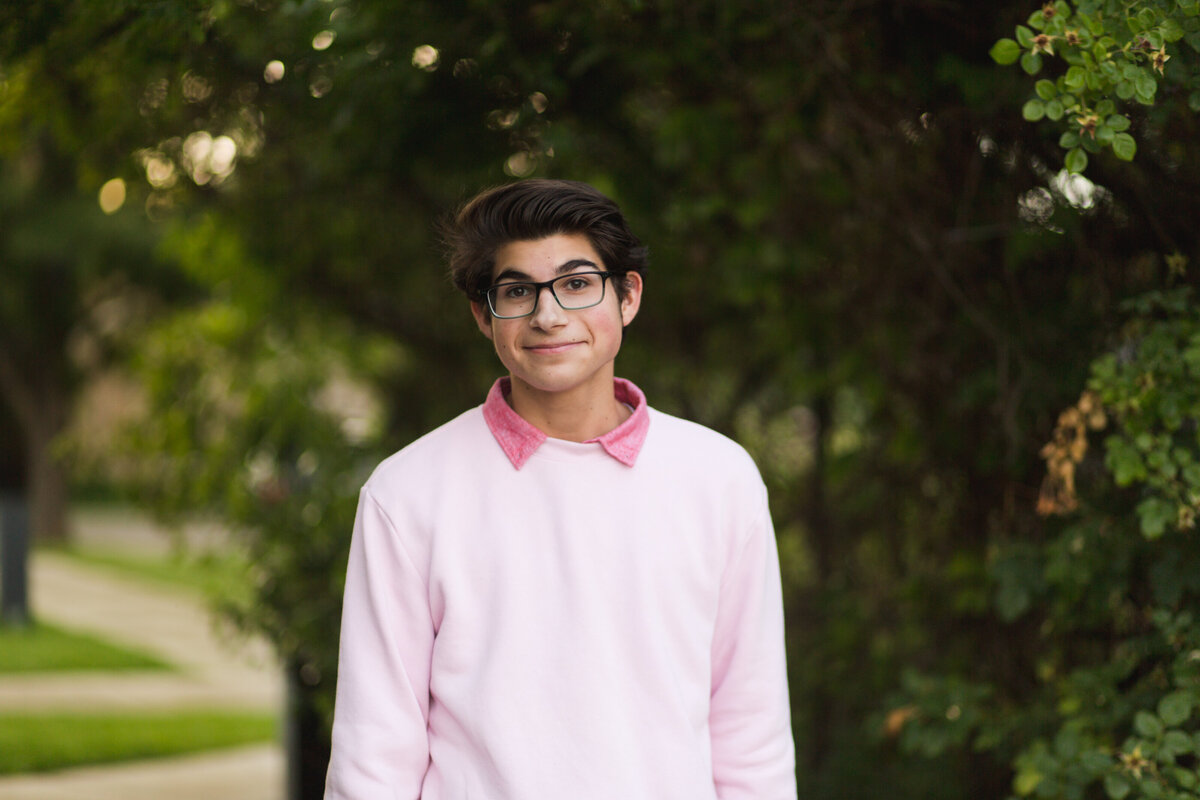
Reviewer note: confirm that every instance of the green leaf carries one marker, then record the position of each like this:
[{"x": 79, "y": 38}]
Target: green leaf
[
  {"x": 1031, "y": 63},
  {"x": 1104, "y": 134},
  {"x": 1075, "y": 79},
  {"x": 1125, "y": 89},
  {"x": 1175, "y": 708},
  {"x": 1124, "y": 146},
  {"x": 1194, "y": 101},
  {"x": 1147, "y": 725},
  {"x": 1024, "y": 37},
  {"x": 1172, "y": 31},
  {"x": 1096, "y": 762},
  {"x": 1155, "y": 513},
  {"x": 1012, "y": 600},
  {"x": 1116, "y": 785},
  {"x": 1152, "y": 788},
  {"x": 1067, "y": 744},
  {"x": 1177, "y": 743},
  {"x": 1076, "y": 160},
  {"x": 1118, "y": 122},
  {"x": 1054, "y": 110},
  {"x": 1033, "y": 110},
  {"x": 1105, "y": 107},
  {"x": 1145, "y": 86},
  {"x": 1026, "y": 781},
  {"x": 1068, "y": 140},
  {"x": 1046, "y": 89},
  {"x": 1005, "y": 52}
]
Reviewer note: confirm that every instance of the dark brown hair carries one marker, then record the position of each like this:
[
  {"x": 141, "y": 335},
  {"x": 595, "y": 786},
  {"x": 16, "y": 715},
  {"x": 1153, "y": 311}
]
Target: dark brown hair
[{"x": 534, "y": 209}]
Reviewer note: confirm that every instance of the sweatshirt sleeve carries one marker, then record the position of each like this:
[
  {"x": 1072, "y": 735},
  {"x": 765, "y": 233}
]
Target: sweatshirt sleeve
[
  {"x": 380, "y": 727},
  {"x": 749, "y": 717}
]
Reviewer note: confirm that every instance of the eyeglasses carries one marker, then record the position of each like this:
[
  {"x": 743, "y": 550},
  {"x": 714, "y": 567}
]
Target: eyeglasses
[{"x": 515, "y": 299}]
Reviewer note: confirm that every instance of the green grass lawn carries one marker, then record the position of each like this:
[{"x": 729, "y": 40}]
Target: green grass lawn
[
  {"x": 34, "y": 741},
  {"x": 39, "y": 742},
  {"x": 206, "y": 575},
  {"x": 46, "y": 648}
]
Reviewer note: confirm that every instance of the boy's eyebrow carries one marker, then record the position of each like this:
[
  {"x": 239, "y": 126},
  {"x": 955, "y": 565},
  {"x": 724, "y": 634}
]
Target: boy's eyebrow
[{"x": 512, "y": 274}]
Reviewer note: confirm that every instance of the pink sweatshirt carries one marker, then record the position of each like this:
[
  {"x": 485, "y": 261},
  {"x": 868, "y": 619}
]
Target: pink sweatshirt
[{"x": 604, "y": 621}]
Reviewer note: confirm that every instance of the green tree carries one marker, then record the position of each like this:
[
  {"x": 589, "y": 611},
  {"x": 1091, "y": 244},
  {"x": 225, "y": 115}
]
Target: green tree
[
  {"x": 1108, "y": 593},
  {"x": 77, "y": 277}
]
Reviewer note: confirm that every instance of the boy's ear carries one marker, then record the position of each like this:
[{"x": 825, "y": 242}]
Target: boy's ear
[
  {"x": 633, "y": 296},
  {"x": 482, "y": 318}
]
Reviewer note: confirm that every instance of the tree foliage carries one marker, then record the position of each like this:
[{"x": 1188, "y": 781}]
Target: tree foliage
[
  {"x": 1113, "y": 591},
  {"x": 1116, "y": 52},
  {"x": 77, "y": 278},
  {"x": 863, "y": 267}
]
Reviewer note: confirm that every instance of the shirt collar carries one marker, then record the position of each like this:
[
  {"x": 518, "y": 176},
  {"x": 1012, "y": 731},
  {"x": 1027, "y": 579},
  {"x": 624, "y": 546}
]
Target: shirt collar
[{"x": 519, "y": 439}]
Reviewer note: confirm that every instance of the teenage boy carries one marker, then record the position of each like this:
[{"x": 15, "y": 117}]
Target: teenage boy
[{"x": 562, "y": 594}]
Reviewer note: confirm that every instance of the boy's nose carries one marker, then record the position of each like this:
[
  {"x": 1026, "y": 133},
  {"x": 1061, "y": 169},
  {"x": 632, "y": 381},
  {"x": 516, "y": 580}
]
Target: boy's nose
[{"x": 547, "y": 312}]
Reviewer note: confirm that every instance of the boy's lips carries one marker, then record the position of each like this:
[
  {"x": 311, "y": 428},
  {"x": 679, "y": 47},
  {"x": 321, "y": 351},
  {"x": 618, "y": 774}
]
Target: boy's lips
[{"x": 550, "y": 348}]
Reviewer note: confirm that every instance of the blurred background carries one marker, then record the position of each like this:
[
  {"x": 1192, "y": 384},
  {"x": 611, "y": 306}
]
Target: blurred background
[{"x": 967, "y": 375}]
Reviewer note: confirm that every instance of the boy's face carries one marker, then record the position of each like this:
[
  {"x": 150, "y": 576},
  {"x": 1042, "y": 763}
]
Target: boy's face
[{"x": 555, "y": 350}]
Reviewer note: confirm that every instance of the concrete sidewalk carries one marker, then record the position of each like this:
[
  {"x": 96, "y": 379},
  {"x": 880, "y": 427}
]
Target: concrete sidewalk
[{"x": 213, "y": 671}]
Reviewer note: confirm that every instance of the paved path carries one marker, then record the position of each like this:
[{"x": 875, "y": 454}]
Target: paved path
[{"x": 213, "y": 671}]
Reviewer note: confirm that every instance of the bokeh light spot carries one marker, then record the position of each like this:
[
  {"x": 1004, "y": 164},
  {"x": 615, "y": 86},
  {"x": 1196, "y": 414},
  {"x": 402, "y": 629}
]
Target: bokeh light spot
[
  {"x": 112, "y": 196},
  {"x": 222, "y": 155},
  {"x": 273, "y": 73},
  {"x": 320, "y": 86},
  {"x": 195, "y": 88},
  {"x": 160, "y": 170},
  {"x": 425, "y": 57},
  {"x": 520, "y": 165},
  {"x": 323, "y": 40}
]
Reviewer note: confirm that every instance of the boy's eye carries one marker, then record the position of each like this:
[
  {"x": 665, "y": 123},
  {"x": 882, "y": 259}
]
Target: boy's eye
[
  {"x": 577, "y": 284},
  {"x": 516, "y": 291}
]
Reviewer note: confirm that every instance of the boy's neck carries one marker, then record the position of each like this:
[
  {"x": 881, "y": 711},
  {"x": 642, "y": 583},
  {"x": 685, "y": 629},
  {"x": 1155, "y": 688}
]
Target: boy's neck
[{"x": 578, "y": 415}]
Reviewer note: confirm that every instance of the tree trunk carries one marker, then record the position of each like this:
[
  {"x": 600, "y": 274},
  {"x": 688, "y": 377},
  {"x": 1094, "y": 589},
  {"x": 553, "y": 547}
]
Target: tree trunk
[
  {"x": 40, "y": 407},
  {"x": 47, "y": 488},
  {"x": 307, "y": 740}
]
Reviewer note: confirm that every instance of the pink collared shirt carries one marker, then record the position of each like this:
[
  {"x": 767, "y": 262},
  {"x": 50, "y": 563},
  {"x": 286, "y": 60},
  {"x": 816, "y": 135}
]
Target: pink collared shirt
[{"x": 519, "y": 439}]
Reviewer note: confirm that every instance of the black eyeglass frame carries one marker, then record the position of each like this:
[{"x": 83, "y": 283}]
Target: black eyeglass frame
[{"x": 490, "y": 293}]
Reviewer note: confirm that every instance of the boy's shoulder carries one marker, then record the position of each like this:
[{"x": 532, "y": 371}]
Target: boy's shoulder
[
  {"x": 694, "y": 447},
  {"x": 464, "y": 437}
]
